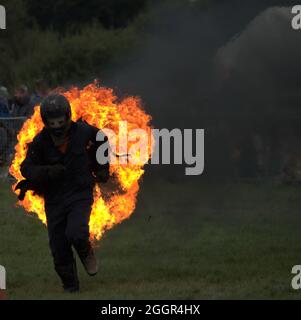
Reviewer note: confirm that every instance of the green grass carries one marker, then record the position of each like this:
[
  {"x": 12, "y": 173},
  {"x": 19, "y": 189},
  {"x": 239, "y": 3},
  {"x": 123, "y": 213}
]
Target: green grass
[{"x": 188, "y": 241}]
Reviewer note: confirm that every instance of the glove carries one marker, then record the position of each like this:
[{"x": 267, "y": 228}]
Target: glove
[
  {"x": 23, "y": 187},
  {"x": 56, "y": 171}
]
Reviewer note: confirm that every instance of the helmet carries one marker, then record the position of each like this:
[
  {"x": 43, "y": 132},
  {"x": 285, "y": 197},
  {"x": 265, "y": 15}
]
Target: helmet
[{"x": 55, "y": 106}]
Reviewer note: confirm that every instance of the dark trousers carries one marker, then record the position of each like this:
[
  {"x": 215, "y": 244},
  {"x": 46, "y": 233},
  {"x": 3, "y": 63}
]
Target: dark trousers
[{"x": 68, "y": 226}]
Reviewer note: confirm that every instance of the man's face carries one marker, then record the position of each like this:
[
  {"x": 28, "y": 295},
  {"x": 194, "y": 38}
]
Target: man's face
[
  {"x": 42, "y": 90},
  {"x": 58, "y": 126},
  {"x": 21, "y": 96},
  {"x": 56, "y": 122}
]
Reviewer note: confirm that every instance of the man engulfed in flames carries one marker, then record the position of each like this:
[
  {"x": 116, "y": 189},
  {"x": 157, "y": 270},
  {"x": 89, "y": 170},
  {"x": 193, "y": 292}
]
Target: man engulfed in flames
[
  {"x": 60, "y": 169},
  {"x": 59, "y": 165}
]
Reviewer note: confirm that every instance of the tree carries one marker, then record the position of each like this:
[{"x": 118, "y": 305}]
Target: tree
[
  {"x": 12, "y": 40},
  {"x": 71, "y": 15}
]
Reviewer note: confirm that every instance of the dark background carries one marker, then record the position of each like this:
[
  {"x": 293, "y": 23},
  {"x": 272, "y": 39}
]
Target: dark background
[
  {"x": 229, "y": 67},
  {"x": 173, "y": 54}
]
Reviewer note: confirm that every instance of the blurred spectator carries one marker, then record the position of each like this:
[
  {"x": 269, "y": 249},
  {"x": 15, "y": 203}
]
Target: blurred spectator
[
  {"x": 4, "y": 113},
  {"x": 3, "y": 144},
  {"x": 22, "y": 106},
  {"x": 41, "y": 91},
  {"x": 4, "y": 110}
]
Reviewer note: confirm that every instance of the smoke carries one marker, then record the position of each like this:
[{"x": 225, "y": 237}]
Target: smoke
[
  {"x": 261, "y": 64},
  {"x": 223, "y": 67}
]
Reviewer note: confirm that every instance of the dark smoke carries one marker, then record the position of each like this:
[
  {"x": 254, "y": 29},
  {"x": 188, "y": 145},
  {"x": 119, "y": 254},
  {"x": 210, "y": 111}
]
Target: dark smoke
[{"x": 181, "y": 74}]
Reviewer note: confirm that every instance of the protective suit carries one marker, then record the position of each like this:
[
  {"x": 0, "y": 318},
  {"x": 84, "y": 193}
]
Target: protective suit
[{"x": 65, "y": 175}]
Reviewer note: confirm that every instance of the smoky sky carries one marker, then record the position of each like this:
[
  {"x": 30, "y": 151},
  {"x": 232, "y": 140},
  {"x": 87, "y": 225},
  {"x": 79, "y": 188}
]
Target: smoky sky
[
  {"x": 175, "y": 73},
  {"x": 230, "y": 64}
]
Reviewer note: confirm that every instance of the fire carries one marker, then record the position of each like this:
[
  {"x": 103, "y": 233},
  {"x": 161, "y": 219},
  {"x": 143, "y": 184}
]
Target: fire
[{"x": 99, "y": 107}]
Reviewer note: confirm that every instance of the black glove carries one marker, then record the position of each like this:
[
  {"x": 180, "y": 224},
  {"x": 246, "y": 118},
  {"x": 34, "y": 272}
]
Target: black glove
[
  {"x": 23, "y": 186},
  {"x": 56, "y": 171}
]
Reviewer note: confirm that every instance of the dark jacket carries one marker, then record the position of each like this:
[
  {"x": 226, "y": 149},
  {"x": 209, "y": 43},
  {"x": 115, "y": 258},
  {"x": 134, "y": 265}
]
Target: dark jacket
[
  {"x": 4, "y": 111},
  {"x": 26, "y": 110},
  {"x": 77, "y": 181}
]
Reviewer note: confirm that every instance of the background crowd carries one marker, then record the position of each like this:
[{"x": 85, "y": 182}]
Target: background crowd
[{"x": 15, "y": 108}]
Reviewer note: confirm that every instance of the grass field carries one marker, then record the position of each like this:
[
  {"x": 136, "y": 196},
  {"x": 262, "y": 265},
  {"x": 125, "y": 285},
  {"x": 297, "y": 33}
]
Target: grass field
[{"x": 188, "y": 241}]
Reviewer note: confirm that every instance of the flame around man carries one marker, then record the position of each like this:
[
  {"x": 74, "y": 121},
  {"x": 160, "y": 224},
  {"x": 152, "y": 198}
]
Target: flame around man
[{"x": 98, "y": 106}]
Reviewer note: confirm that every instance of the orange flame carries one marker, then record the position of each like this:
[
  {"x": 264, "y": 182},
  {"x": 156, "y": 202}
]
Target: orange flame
[{"x": 99, "y": 107}]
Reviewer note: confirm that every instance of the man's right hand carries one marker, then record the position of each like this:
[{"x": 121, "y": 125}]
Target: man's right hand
[
  {"x": 56, "y": 171},
  {"x": 23, "y": 187}
]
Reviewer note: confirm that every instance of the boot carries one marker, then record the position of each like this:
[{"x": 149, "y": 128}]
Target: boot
[
  {"x": 90, "y": 263},
  {"x": 87, "y": 257},
  {"x": 69, "y": 277}
]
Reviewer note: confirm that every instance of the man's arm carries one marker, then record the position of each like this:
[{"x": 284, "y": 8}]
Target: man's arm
[
  {"x": 33, "y": 168},
  {"x": 36, "y": 174}
]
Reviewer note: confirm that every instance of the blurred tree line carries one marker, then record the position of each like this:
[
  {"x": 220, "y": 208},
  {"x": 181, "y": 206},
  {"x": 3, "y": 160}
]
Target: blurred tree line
[
  {"x": 64, "y": 40},
  {"x": 62, "y": 15}
]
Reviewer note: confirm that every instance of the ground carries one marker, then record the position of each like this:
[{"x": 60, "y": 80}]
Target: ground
[{"x": 184, "y": 241}]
